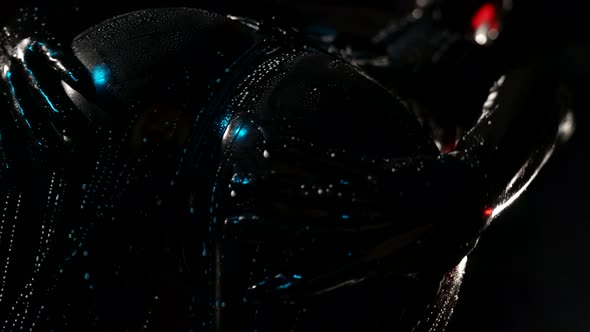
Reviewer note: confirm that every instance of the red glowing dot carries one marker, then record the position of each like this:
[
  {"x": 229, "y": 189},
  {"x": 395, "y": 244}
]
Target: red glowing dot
[
  {"x": 486, "y": 14},
  {"x": 488, "y": 212},
  {"x": 448, "y": 147}
]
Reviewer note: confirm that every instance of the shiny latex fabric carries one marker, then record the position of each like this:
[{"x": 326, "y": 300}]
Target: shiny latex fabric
[
  {"x": 223, "y": 176},
  {"x": 440, "y": 56},
  {"x": 433, "y": 56}
]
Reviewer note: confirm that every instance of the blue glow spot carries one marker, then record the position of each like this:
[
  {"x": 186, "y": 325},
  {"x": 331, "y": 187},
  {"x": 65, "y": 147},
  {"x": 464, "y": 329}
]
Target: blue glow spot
[
  {"x": 48, "y": 101},
  {"x": 345, "y": 216},
  {"x": 84, "y": 186},
  {"x": 240, "y": 180},
  {"x": 85, "y": 253},
  {"x": 20, "y": 109},
  {"x": 101, "y": 75},
  {"x": 343, "y": 182},
  {"x": 86, "y": 276},
  {"x": 192, "y": 210},
  {"x": 224, "y": 123},
  {"x": 296, "y": 276},
  {"x": 145, "y": 139},
  {"x": 241, "y": 132},
  {"x": 37, "y": 85},
  {"x": 287, "y": 285}
]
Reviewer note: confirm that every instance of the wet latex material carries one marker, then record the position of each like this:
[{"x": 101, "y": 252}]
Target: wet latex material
[{"x": 224, "y": 177}]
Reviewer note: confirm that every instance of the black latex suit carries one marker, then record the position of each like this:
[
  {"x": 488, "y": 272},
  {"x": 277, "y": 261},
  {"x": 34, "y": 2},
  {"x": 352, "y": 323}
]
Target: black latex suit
[{"x": 179, "y": 170}]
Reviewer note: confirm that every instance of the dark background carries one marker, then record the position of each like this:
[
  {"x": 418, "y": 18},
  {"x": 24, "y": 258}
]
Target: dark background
[{"x": 531, "y": 269}]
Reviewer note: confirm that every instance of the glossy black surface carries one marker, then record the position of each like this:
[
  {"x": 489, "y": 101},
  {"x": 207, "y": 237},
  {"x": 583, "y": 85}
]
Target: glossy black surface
[{"x": 220, "y": 176}]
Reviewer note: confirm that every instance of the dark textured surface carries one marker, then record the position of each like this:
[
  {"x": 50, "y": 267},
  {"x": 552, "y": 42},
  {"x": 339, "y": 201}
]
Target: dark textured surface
[
  {"x": 528, "y": 272},
  {"x": 222, "y": 186}
]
